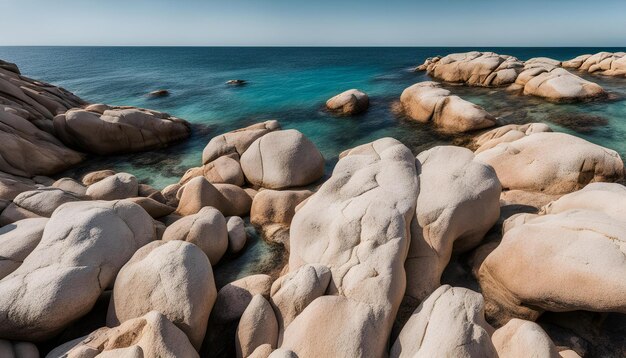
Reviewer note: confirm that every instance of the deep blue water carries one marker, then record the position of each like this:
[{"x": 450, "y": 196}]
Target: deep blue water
[{"x": 291, "y": 85}]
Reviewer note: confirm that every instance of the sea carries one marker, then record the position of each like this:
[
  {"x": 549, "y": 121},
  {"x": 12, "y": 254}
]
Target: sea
[{"x": 291, "y": 85}]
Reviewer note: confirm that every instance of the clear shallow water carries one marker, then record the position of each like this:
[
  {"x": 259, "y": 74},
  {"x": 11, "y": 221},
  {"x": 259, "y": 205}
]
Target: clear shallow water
[{"x": 291, "y": 85}]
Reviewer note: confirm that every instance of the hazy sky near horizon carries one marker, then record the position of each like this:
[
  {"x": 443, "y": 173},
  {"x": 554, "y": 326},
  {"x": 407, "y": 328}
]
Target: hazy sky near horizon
[{"x": 314, "y": 23}]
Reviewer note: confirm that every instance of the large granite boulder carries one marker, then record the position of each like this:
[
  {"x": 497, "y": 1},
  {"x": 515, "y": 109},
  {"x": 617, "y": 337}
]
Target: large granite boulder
[
  {"x": 114, "y": 187},
  {"x": 151, "y": 335},
  {"x": 83, "y": 247},
  {"x": 357, "y": 225},
  {"x": 172, "y": 277},
  {"x": 604, "y": 63},
  {"x": 273, "y": 210},
  {"x": 520, "y": 338},
  {"x": 224, "y": 169},
  {"x": 474, "y": 68},
  {"x": 350, "y": 102},
  {"x": 282, "y": 159},
  {"x": 40, "y": 202},
  {"x": 257, "y": 327},
  {"x": 428, "y": 102},
  {"x": 206, "y": 229},
  {"x": 28, "y": 151},
  {"x": 507, "y": 133},
  {"x": 17, "y": 241},
  {"x": 569, "y": 257},
  {"x": 449, "y": 323},
  {"x": 552, "y": 163},
  {"x": 120, "y": 129},
  {"x": 458, "y": 202},
  {"x": 227, "y": 198},
  {"x": 237, "y": 141}
]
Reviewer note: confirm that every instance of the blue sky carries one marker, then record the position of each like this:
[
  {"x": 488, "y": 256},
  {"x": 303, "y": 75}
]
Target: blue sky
[{"x": 314, "y": 23}]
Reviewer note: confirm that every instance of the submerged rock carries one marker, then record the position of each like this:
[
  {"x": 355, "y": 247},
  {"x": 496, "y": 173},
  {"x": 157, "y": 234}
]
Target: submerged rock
[
  {"x": 236, "y": 82},
  {"x": 428, "y": 102},
  {"x": 159, "y": 93},
  {"x": 350, "y": 102},
  {"x": 120, "y": 130},
  {"x": 604, "y": 63}
]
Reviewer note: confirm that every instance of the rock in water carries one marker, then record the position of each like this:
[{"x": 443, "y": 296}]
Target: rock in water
[
  {"x": 174, "y": 278},
  {"x": 282, "y": 159},
  {"x": 357, "y": 225},
  {"x": 604, "y": 63},
  {"x": 552, "y": 163},
  {"x": 159, "y": 93},
  {"x": 350, "y": 102},
  {"x": 120, "y": 130},
  {"x": 237, "y": 141},
  {"x": 83, "y": 247},
  {"x": 449, "y": 323},
  {"x": 153, "y": 335},
  {"x": 458, "y": 202},
  {"x": 569, "y": 257},
  {"x": 428, "y": 102},
  {"x": 236, "y": 82}
]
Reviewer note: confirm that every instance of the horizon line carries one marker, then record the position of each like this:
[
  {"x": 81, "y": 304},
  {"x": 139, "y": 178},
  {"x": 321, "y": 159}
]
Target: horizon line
[{"x": 327, "y": 46}]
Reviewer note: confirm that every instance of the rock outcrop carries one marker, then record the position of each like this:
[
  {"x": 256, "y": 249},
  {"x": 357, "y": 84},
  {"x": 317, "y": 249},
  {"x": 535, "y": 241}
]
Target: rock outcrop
[
  {"x": 507, "y": 133},
  {"x": 552, "y": 163},
  {"x": 224, "y": 169},
  {"x": 603, "y": 63},
  {"x": 17, "y": 241},
  {"x": 231, "y": 200},
  {"x": 282, "y": 159},
  {"x": 237, "y": 141},
  {"x": 75, "y": 261},
  {"x": 357, "y": 225},
  {"x": 569, "y": 257},
  {"x": 120, "y": 129},
  {"x": 428, "y": 102},
  {"x": 350, "y": 102}
]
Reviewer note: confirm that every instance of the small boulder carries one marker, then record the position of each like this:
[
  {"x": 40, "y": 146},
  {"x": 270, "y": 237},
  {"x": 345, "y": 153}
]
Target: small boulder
[
  {"x": 237, "y": 236},
  {"x": 237, "y": 141},
  {"x": 17, "y": 241},
  {"x": 282, "y": 159},
  {"x": 520, "y": 338},
  {"x": 153, "y": 207},
  {"x": 94, "y": 177},
  {"x": 40, "y": 202},
  {"x": 273, "y": 210},
  {"x": 118, "y": 186},
  {"x": 159, "y": 93},
  {"x": 70, "y": 185},
  {"x": 236, "y": 82},
  {"x": 233, "y": 298},
  {"x": 350, "y": 102},
  {"x": 257, "y": 327},
  {"x": 224, "y": 169}
]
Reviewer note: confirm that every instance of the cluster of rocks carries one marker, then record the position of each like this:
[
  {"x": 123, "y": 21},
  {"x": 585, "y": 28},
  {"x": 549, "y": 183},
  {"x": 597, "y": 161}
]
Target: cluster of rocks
[
  {"x": 604, "y": 63},
  {"x": 368, "y": 247},
  {"x": 540, "y": 77}
]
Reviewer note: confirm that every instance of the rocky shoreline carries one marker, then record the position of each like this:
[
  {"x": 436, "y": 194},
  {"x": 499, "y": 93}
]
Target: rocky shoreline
[{"x": 513, "y": 247}]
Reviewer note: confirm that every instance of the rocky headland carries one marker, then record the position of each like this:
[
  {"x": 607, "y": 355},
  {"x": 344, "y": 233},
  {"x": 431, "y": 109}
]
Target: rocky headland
[{"x": 513, "y": 246}]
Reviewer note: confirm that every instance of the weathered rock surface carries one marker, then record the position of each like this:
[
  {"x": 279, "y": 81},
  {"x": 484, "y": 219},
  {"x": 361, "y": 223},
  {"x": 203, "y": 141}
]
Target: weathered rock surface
[
  {"x": 94, "y": 177},
  {"x": 273, "y": 210},
  {"x": 17, "y": 241},
  {"x": 152, "y": 207},
  {"x": 458, "y": 202},
  {"x": 120, "y": 129},
  {"x": 506, "y": 134},
  {"x": 237, "y": 236},
  {"x": 174, "y": 278},
  {"x": 151, "y": 335},
  {"x": 10, "y": 349},
  {"x": 350, "y": 102},
  {"x": 357, "y": 225},
  {"x": 257, "y": 327},
  {"x": 553, "y": 163},
  {"x": 71, "y": 185},
  {"x": 75, "y": 261},
  {"x": 118, "y": 186},
  {"x": 449, "y": 323},
  {"x": 36, "y": 203},
  {"x": 11, "y": 186},
  {"x": 282, "y": 159},
  {"x": 604, "y": 63},
  {"x": 207, "y": 229},
  {"x": 569, "y": 257},
  {"x": 520, "y": 338},
  {"x": 428, "y": 102},
  {"x": 224, "y": 169},
  {"x": 233, "y": 298},
  {"x": 231, "y": 200},
  {"x": 237, "y": 141}
]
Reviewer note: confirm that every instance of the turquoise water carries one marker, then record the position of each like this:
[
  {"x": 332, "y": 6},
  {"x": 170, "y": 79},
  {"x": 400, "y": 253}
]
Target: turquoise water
[{"x": 291, "y": 85}]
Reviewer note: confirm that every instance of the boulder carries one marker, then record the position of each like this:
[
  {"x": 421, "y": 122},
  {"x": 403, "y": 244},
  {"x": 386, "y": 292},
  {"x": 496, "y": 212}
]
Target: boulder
[
  {"x": 544, "y": 79},
  {"x": 231, "y": 200},
  {"x": 120, "y": 130},
  {"x": 28, "y": 151},
  {"x": 118, "y": 186},
  {"x": 170, "y": 194},
  {"x": 350, "y": 102},
  {"x": 233, "y": 298},
  {"x": 43, "y": 201},
  {"x": 552, "y": 163},
  {"x": 159, "y": 93},
  {"x": 17, "y": 241},
  {"x": 428, "y": 102},
  {"x": 75, "y": 261},
  {"x": 10, "y": 349},
  {"x": 11, "y": 186},
  {"x": 237, "y": 236},
  {"x": 273, "y": 210},
  {"x": 257, "y": 327},
  {"x": 506, "y": 134},
  {"x": 449, "y": 323},
  {"x": 224, "y": 169},
  {"x": 9, "y": 67},
  {"x": 172, "y": 277},
  {"x": 282, "y": 159},
  {"x": 94, "y": 177},
  {"x": 207, "y": 229},
  {"x": 520, "y": 338},
  {"x": 604, "y": 63},
  {"x": 568, "y": 257},
  {"x": 70, "y": 185},
  {"x": 458, "y": 202},
  {"x": 151, "y": 335},
  {"x": 357, "y": 225},
  {"x": 237, "y": 141},
  {"x": 153, "y": 207}
]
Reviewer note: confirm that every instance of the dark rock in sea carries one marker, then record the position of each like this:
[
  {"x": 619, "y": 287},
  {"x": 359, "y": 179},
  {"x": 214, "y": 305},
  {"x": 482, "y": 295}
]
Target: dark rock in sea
[
  {"x": 581, "y": 122},
  {"x": 10, "y": 67},
  {"x": 159, "y": 93},
  {"x": 236, "y": 82}
]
